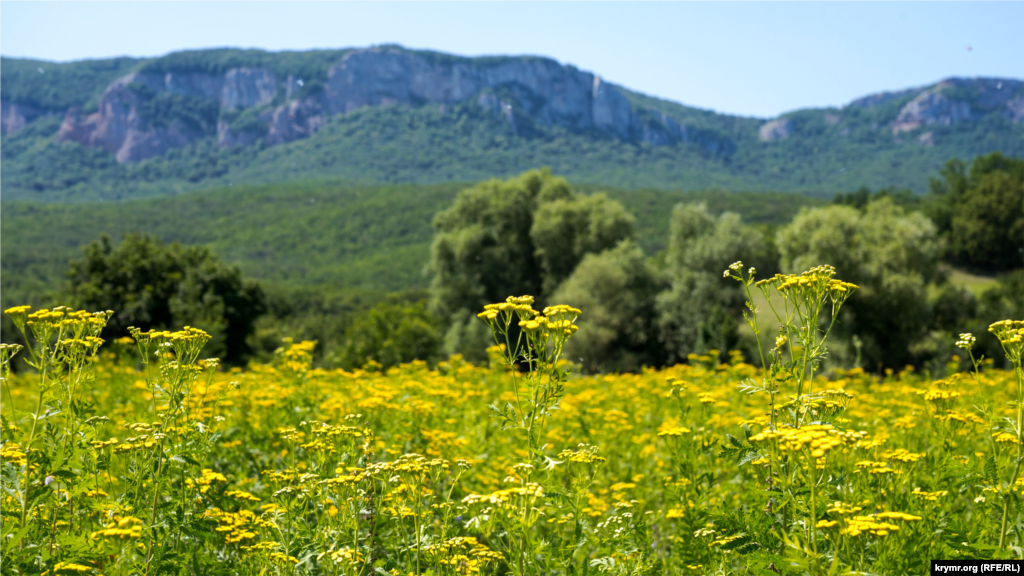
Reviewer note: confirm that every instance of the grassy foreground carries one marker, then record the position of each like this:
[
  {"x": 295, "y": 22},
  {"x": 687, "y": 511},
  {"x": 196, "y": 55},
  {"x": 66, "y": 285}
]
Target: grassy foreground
[{"x": 175, "y": 467}]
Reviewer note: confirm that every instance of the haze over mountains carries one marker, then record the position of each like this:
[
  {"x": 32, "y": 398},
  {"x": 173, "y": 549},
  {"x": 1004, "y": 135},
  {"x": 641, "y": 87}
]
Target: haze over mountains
[{"x": 122, "y": 128}]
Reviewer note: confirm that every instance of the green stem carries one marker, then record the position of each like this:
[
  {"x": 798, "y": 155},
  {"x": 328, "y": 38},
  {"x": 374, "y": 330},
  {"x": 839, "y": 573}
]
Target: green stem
[
  {"x": 812, "y": 517},
  {"x": 156, "y": 495},
  {"x": 10, "y": 399},
  {"x": 1016, "y": 467},
  {"x": 28, "y": 446}
]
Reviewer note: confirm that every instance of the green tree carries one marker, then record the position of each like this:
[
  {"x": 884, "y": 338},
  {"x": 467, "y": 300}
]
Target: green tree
[
  {"x": 982, "y": 211},
  {"x": 988, "y": 226},
  {"x": 566, "y": 230},
  {"x": 863, "y": 196},
  {"x": 513, "y": 237},
  {"x": 946, "y": 190},
  {"x": 700, "y": 309},
  {"x": 1004, "y": 301},
  {"x": 149, "y": 284},
  {"x": 391, "y": 333},
  {"x": 891, "y": 254},
  {"x": 616, "y": 291}
]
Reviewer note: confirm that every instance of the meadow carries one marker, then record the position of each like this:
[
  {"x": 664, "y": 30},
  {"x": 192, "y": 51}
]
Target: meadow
[{"x": 143, "y": 457}]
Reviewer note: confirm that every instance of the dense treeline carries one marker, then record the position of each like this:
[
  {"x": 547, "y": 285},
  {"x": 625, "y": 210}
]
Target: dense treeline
[
  {"x": 324, "y": 252},
  {"x": 650, "y": 301},
  {"x": 297, "y": 236},
  {"x": 150, "y": 286},
  {"x": 655, "y": 311}
]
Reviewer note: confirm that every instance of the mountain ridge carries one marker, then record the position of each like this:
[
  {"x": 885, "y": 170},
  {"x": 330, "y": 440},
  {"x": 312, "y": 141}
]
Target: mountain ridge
[{"x": 230, "y": 106}]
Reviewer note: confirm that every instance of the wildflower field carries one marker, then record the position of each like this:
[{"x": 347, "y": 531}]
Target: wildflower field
[{"x": 145, "y": 458}]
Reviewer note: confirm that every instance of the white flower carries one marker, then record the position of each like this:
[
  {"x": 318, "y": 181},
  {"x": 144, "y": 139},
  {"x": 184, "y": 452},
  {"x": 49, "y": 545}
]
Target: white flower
[{"x": 966, "y": 341}]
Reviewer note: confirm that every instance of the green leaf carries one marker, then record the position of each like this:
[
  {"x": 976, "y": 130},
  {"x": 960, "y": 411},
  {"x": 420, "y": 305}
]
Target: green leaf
[{"x": 991, "y": 471}]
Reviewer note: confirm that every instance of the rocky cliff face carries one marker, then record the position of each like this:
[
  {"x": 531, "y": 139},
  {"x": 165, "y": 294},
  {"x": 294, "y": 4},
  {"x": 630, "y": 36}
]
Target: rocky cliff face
[
  {"x": 948, "y": 102},
  {"x": 147, "y": 113},
  {"x": 14, "y": 117},
  {"x": 121, "y": 125},
  {"x": 537, "y": 89},
  {"x": 961, "y": 100},
  {"x": 777, "y": 129}
]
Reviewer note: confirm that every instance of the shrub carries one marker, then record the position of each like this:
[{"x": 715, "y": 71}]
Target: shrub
[
  {"x": 154, "y": 285},
  {"x": 617, "y": 289},
  {"x": 389, "y": 334},
  {"x": 982, "y": 211},
  {"x": 890, "y": 253},
  {"x": 524, "y": 235},
  {"x": 697, "y": 312}
]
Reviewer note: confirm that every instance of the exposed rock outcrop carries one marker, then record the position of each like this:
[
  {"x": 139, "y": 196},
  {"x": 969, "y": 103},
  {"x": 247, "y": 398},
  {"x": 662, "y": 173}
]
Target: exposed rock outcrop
[
  {"x": 524, "y": 90},
  {"x": 948, "y": 102},
  {"x": 1015, "y": 110},
  {"x": 959, "y": 100},
  {"x": 777, "y": 129},
  {"x": 246, "y": 88},
  {"x": 121, "y": 126},
  {"x": 14, "y": 117},
  {"x": 549, "y": 93},
  {"x": 930, "y": 108},
  {"x": 873, "y": 100},
  {"x": 561, "y": 95},
  {"x": 294, "y": 120},
  {"x": 146, "y": 113}
]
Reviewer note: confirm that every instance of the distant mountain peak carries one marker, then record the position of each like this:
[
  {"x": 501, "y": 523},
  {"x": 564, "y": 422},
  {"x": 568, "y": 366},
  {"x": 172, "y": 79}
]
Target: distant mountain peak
[
  {"x": 129, "y": 127},
  {"x": 947, "y": 102}
]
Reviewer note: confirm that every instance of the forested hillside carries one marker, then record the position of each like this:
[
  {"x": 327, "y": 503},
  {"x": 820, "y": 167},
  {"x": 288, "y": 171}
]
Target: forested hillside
[{"x": 125, "y": 128}]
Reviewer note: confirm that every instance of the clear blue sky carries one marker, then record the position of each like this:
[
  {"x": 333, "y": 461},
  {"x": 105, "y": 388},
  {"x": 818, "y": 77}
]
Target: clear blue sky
[{"x": 753, "y": 58}]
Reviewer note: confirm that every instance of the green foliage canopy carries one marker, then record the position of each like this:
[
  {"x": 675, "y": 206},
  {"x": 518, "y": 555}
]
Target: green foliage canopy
[
  {"x": 567, "y": 229},
  {"x": 152, "y": 285},
  {"x": 389, "y": 334},
  {"x": 519, "y": 236},
  {"x": 982, "y": 210},
  {"x": 616, "y": 289},
  {"x": 890, "y": 253},
  {"x": 697, "y": 311}
]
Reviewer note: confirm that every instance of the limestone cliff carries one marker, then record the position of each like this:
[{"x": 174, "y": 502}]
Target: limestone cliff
[
  {"x": 121, "y": 125},
  {"x": 14, "y": 117},
  {"x": 777, "y": 129},
  {"x": 959, "y": 100},
  {"x": 951, "y": 101},
  {"x": 240, "y": 98},
  {"x": 537, "y": 89}
]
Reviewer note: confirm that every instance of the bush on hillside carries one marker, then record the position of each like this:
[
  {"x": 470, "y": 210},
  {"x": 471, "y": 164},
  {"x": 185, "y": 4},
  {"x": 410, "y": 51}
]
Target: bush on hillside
[
  {"x": 891, "y": 254},
  {"x": 618, "y": 289},
  {"x": 518, "y": 236},
  {"x": 699, "y": 311},
  {"x": 982, "y": 211},
  {"x": 152, "y": 285}
]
